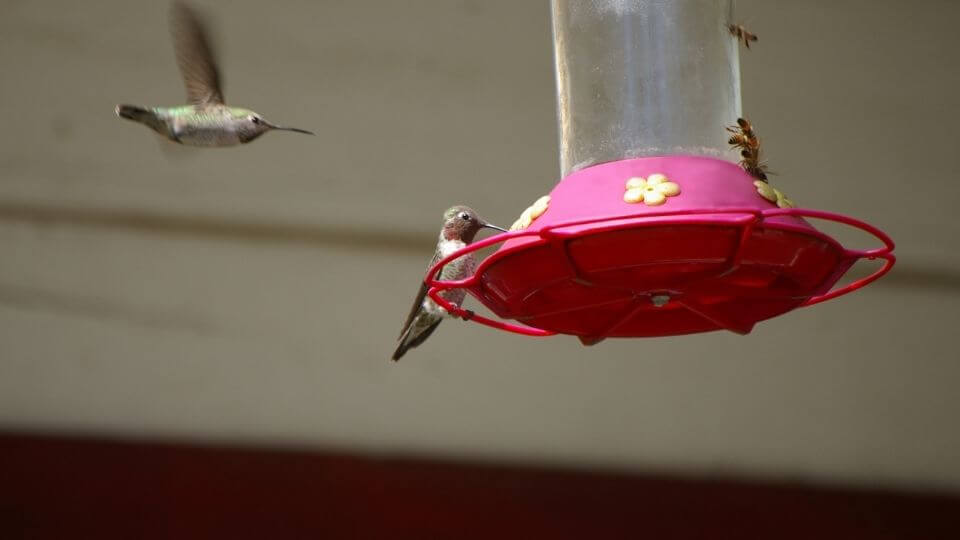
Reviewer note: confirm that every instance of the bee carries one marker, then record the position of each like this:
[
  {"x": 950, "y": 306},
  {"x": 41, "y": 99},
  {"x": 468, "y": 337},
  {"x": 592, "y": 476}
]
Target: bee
[
  {"x": 745, "y": 138},
  {"x": 752, "y": 164},
  {"x": 742, "y": 34},
  {"x": 744, "y": 128},
  {"x": 739, "y": 140}
]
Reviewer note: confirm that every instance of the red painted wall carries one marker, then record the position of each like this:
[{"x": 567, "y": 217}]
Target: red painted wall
[{"x": 74, "y": 488}]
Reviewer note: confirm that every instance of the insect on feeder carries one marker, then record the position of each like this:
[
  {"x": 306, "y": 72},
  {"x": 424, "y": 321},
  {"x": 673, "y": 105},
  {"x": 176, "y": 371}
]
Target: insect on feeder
[{"x": 654, "y": 230}]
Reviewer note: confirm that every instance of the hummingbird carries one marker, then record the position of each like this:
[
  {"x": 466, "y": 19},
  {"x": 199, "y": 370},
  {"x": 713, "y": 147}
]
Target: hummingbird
[
  {"x": 460, "y": 226},
  {"x": 206, "y": 120}
]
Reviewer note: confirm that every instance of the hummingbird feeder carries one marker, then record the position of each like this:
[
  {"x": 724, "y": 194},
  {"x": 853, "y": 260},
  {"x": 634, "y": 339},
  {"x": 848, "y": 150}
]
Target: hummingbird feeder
[{"x": 654, "y": 230}]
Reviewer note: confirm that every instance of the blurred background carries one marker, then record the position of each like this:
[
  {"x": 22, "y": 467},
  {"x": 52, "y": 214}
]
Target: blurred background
[{"x": 250, "y": 297}]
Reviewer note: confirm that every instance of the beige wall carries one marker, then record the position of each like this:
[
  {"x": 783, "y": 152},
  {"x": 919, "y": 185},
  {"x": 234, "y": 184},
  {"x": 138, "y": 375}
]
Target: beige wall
[{"x": 254, "y": 294}]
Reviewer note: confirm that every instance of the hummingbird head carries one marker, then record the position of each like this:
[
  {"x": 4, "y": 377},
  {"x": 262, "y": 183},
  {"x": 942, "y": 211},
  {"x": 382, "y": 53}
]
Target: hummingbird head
[
  {"x": 462, "y": 223},
  {"x": 251, "y": 125}
]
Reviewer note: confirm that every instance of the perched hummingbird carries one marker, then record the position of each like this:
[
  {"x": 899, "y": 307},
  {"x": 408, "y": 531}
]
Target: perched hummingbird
[
  {"x": 206, "y": 120},
  {"x": 460, "y": 226}
]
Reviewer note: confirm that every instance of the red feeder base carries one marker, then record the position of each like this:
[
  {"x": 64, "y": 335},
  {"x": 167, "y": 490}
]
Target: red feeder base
[{"x": 716, "y": 255}]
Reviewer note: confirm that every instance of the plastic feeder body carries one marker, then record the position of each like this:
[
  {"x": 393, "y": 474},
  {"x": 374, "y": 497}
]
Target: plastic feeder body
[
  {"x": 654, "y": 230},
  {"x": 639, "y": 78}
]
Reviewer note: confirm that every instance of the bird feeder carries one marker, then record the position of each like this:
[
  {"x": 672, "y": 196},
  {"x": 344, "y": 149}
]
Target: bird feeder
[{"x": 654, "y": 229}]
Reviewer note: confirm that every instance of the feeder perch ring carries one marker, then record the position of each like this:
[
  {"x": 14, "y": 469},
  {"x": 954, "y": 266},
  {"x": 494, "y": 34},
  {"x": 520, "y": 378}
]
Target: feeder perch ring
[{"x": 722, "y": 257}]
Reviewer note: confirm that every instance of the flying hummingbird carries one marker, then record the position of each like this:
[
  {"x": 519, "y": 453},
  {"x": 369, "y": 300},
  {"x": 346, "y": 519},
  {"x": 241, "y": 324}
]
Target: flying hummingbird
[
  {"x": 460, "y": 226},
  {"x": 206, "y": 120}
]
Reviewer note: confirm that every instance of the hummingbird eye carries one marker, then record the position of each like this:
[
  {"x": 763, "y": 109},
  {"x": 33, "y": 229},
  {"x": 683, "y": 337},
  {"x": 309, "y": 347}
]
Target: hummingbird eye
[
  {"x": 255, "y": 119},
  {"x": 465, "y": 216}
]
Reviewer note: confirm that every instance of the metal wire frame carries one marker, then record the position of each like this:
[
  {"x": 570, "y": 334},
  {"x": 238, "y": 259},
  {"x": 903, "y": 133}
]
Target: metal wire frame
[{"x": 752, "y": 217}]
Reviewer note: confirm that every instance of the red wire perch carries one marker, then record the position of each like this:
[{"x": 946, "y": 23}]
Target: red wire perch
[
  {"x": 437, "y": 286},
  {"x": 753, "y": 218},
  {"x": 885, "y": 252}
]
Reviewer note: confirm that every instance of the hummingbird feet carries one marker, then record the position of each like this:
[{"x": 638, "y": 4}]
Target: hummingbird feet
[{"x": 467, "y": 314}]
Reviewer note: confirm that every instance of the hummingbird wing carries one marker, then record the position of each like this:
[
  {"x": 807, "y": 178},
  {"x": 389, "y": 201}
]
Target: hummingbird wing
[
  {"x": 418, "y": 302},
  {"x": 195, "y": 56},
  {"x": 414, "y": 309}
]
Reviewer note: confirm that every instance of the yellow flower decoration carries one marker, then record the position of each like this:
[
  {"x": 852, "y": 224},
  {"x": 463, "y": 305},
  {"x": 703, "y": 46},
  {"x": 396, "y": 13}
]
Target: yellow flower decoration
[
  {"x": 773, "y": 195},
  {"x": 533, "y": 212},
  {"x": 652, "y": 190}
]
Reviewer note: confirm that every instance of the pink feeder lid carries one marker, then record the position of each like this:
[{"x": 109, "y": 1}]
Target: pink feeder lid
[{"x": 711, "y": 253}]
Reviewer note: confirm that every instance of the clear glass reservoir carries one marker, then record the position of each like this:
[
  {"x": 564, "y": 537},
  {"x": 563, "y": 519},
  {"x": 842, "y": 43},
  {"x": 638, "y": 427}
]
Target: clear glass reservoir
[{"x": 639, "y": 78}]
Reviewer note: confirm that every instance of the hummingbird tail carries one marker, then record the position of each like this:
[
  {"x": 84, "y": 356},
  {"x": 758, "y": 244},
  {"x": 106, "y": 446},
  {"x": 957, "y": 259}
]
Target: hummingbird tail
[
  {"x": 145, "y": 116},
  {"x": 401, "y": 350},
  {"x": 134, "y": 112},
  {"x": 414, "y": 336}
]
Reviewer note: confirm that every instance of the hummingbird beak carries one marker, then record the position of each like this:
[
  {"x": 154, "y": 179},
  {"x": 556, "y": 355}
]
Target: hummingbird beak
[
  {"x": 491, "y": 226},
  {"x": 284, "y": 128}
]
